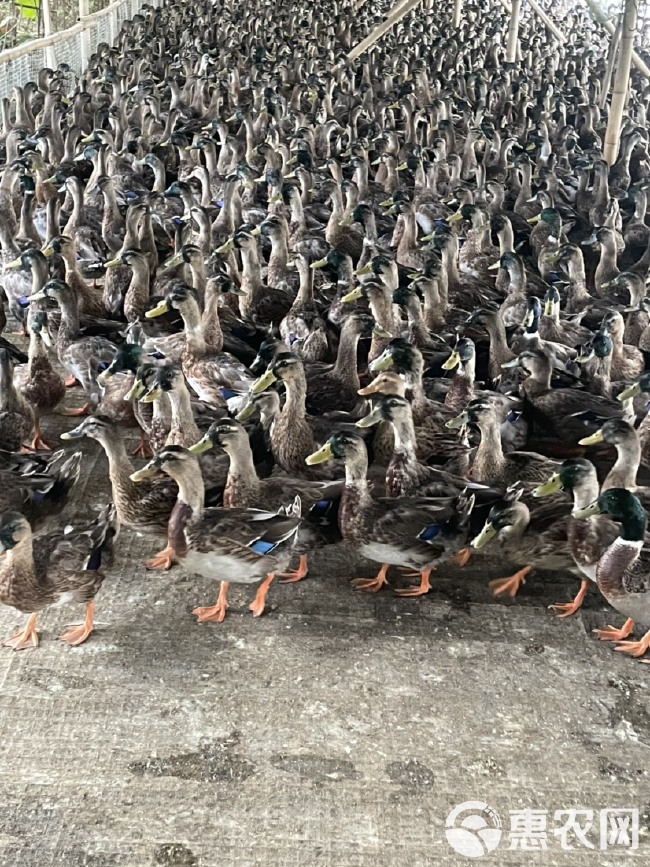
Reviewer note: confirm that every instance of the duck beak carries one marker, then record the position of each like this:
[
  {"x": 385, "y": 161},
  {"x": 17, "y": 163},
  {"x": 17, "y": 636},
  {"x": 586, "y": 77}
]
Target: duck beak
[
  {"x": 371, "y": 419},
  {"x": 14, "y": 265},
  {"x": 227, "y": 247},
  {"x": 534, "y": 219},
  {"x": 39, "y": 296},
  {"x": 371, "y": 388},
  {"x": 47, "y": 251},
  {"x": 387, "y": 203},
  {"x": 548, "y": 308},
  {"x": 378, "y": 331},
  {"x": 319, "y": 457},
  {"x": 113, "y": 263},
  {"x": 402, "y": 167},
  {"x": 354, "y": 295},
  {"x": 455, "y": 218},
  {"x": 630, "y": 392},
  {"x": 488, "y": 532},
  {"x": 246, "y": 412},
  {"x": 319, "y": 263},
  {"x": 158, "y": 310},
  {"x": 346, "y": 221},
  {"x": 592, "y": 440},
  {"x": 460, "y": 421},
  {"x": 384, "y": 362},
  {"x": 76, "y": 433},
  {"x": 367, "y": 269},
  {"x": 153, "y": 394},
  {"x": 104, "y": 375},
  {"x": 588, "y": 511},
  {"x": 510, "y": 365},
  {"x": 148, "y": 472},
  {"x": 46, "y": 337},
  {"x": 172, "y": 262},
  {"x": 527, "y": 321},
  {"x": 263, "y": 382},
  {"x": 136, "y": 391},
  {"x": 495, "y": 266},
  {"x": 203, "y": 445},
  {"x": 452, "y": 361},
  {"x": 550, "y": 486},
  {"x": 256, "y": 232}
]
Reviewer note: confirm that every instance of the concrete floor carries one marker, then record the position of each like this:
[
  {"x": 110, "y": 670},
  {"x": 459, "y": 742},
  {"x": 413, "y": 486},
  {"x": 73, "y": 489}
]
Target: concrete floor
[{"x": 340, "y": 729}]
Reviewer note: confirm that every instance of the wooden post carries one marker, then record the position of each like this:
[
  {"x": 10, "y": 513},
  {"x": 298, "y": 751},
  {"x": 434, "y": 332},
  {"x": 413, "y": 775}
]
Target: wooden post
[
  {"x": 50, "y": 57},
  {"x": 84, "y": 8},
  {"x": 550, "y": 26},
  {"x": 396, "y": 14},
  {"x": 611, "y": 60},
  {"x": 611, "y": 29},
  {"x": 513, "y": 32},
  {"x": 621, "y": 83},
  {"x": 455, "y": 21}
]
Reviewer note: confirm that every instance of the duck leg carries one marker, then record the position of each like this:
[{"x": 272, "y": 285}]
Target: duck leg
[
  {"x": 164, "y": 559},
  {"x": 217, "y": 612},
  {"x": 81, "y": 410},
  {"x": 144, "y": 449},
  {"x": 70, "y": 381},
  {"x": 372, "y": 585},
  {"x": 635, "y": 648},
  {"x": 257, "y": 605},
  {"x": 462, "y": 557},
  {"x": 423, "y": 587},
  {"x": 610, "y": 633},
  {"x": 566, "y": 609},
  {"x": 509, "y": 586},
  {"x": 37, "y": 441},
  {"x": 77, "y": 634},
  {"x": 28, "y": 637},
  {"x": 298, "y": 574}
]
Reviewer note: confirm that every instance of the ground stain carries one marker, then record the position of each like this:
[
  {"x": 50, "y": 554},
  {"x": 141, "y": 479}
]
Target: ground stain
[
  {"x": 54, "y": 681},
  {"x": 316, "y": 768},
  {"x": 175, "y": 855},
  {"x": 412, "y": 776},
  {"x": 629, "y": 708},
  {"x": 614, "y": 773},
  {"x": 213, "y": 762}
]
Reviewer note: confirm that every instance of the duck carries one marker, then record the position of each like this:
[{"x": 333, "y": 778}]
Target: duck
[
  {"x": 623, "y": 570},
  {"x": 17, "y": 418},
  {"x": 52, "y": 569},
  {"x": 42, "y": 386},
  {"x": 538, "y": 540},
  {"x": 416, "y": 532},
  {"x": 249, "y": 545}
]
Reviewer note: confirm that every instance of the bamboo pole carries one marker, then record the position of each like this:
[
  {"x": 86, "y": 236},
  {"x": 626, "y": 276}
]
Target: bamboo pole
[
  {"x": 621, "y": 83},
  {"x": 550, "y": 25},
  {"x": 611, "y": 60},
  {"x": 455, "y": 21},
  {"x": 46, "y": 10},
  {"x": 513, "y": 32},
  {"x": 396, "y": 14},
  {"x": 611, "y": 29}
]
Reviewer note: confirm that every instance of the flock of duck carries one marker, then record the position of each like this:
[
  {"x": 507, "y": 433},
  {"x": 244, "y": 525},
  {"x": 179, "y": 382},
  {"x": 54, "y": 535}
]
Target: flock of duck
[{"x": 392, "y": 304}]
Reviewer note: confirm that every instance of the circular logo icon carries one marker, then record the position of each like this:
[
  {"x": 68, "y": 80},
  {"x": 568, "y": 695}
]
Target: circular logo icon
[{"x": 473, "y": 829}]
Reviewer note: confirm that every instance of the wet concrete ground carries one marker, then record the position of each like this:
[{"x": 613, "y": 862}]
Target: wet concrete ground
[{"x": 339, "y": 729}]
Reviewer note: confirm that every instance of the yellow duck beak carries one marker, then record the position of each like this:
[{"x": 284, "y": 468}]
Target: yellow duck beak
[
  {"x": 39, "y": 296},
  {"x": 378, "y": 331},
  {"x": 371, "y": 419},
  {"x": 384, "y": 362},
  {"x": 148, "y": 472},
  {"x": 354, "y": 295},
  {"x": 153, "y": 394},
  {"x": 367, "y": 269},
  {"x": 588, "y": 511},
  {"x": 494, "y": 267},
  {"x": 592, "y": 440},
  {"x": 14, "y": 265},
  {"x": 136, "y": 390},
  {"x": 321, "y": 456},
  {"x": 346, "y": 221},
  {"x": 459, "y": 421},
  {"x": 203, "y": 445},
  {"x": 488, "y": 532},
  {"x": 452, "y": 361},
  {"x": 551, "y": 486},
  {"x": 256, "y": 232},
  {"x": 630, "y": 392},
  {"x": 227, "y": 247},
  {"x": 246, "y": 412},
  {"x": 113, "y": 263},
  {"x": 319, "y": 263},
  {"x": 548, "y": 308},
  {"x": 47, "y": 251},
  {"x": 158, "y": 310},
  {"x": 263, "y": 382},
  {"x": 455, "y": 218},
  {"x": 534, "y": 219},
  {"x": 402, "y": 167},
  {"x": 104, "y": 375}
]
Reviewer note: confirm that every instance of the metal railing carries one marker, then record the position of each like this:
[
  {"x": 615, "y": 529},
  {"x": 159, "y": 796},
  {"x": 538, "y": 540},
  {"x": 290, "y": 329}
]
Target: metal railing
[{"x": 72, "y": 46}]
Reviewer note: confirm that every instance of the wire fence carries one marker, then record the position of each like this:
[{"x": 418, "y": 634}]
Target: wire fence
[{"x": 72, "y": 47}]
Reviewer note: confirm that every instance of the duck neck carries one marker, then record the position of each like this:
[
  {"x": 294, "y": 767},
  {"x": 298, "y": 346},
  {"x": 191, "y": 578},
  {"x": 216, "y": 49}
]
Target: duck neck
[
  {"x": 20, "y": 562},
  {"x": 346, "y": 356},
  {"x": 623, "y": 473},
  {"x": 182, "y": 423},
  {"x": 242, "y": 482},
  {"x": 489, "y": 454},
  {"x": 120, "y": 467},
  {"x": 191, "y": 490},
  {"x": 191, "y": 316}
]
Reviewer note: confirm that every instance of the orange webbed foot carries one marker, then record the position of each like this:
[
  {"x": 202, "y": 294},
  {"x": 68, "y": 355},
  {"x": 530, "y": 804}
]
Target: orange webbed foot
[
  {"x": 611, "y": 633},
  {"x": 39, "y": 444},
  {"x": 372, "y": 585},
  {"x": 76, "y": 634},
  {"x": 81, "y": 410},
  {"x": 214, "y": 613},
  {"x": 462, "y": 557},
  {"x": 259, "y": 603},
  {"x": 296, "y": 575},
  {"x": 509, "y": 586},
  {"x": 566, "y": 609},
  {"x": 423, "y": 587},
  {"x": 635, "y": 648},
  {"x": 70, "y": 381},
  {"x": 143, "y": 449},
  {"x": 164, "y": 559},
  {"x": 27, "y": 637}
]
